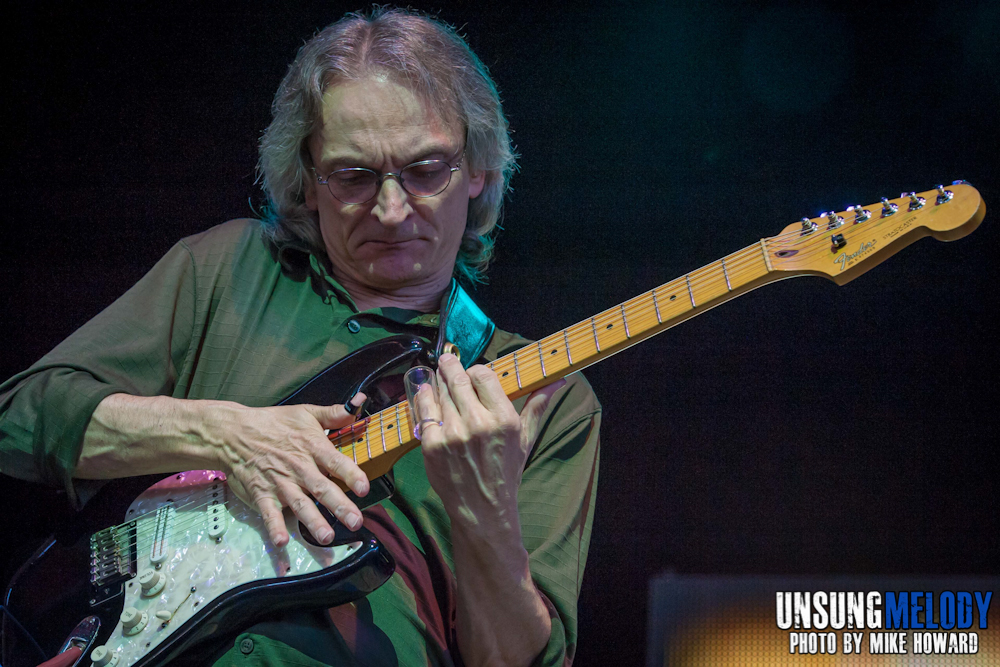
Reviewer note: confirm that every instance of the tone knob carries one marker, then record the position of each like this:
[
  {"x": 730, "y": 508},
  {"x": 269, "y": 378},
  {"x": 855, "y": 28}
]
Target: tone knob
[
  {"x": 101, "y": 656},
  {"x": 130, "y": 617},
  {"x": 152, "y": 582}
]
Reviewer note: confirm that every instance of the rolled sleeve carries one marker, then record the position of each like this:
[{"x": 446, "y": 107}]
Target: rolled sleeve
[{"x": 134, "y": 346}]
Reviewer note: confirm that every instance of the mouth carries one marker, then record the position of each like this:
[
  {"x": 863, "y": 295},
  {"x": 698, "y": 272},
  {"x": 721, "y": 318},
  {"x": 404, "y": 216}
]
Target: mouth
[{"x": 390, "y": 245}]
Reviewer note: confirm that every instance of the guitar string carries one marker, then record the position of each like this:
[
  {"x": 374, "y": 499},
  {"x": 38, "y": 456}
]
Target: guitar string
[
  {"x": 740, "y": 260},
  {"x": 696, "y": 279}
]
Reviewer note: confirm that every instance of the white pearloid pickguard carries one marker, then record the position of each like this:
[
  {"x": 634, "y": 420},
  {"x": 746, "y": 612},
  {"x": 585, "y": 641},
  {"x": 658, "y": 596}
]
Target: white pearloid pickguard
[{"x": 195, "y": 560}]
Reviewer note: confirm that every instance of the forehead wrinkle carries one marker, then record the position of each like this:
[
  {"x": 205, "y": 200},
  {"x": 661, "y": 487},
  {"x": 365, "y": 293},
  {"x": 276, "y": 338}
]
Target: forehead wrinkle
[{"x": 360, "y": 126}]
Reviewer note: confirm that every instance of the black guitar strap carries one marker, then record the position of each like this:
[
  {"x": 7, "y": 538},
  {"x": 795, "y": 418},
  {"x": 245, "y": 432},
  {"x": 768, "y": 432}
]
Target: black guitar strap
[{"x": 462, "y": 325}]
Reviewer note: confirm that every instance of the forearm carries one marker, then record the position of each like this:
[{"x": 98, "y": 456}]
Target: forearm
[
  {"x": 138, "y": 435},
  {"x": 502, "y": 619}
]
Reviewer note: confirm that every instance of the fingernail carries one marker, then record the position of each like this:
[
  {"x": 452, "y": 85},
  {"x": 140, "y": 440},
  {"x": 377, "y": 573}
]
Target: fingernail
[
  {"x": 361, "y": 487},
  {"x": 325, "y": 536},
  {"x": 353, "y": 520},
  {"x": 447, "y": 356}
]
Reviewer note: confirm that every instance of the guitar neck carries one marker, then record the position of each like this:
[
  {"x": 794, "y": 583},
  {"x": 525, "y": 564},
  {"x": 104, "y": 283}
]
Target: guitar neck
[
  {"x": 838, "y": 246},
  {"x": 377, "y": 442}
]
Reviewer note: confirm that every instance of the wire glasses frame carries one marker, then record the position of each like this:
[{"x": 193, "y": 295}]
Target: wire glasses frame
[{"x": 357, "y": 185}]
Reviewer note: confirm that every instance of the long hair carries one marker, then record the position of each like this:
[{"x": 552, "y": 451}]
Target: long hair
[{"x": 419, "y": 52}]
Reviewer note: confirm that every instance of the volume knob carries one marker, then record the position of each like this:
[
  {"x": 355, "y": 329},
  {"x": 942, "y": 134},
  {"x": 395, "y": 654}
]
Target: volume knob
[{"x": 152, "y": 582}]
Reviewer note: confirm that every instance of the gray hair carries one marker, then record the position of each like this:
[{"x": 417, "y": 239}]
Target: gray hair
[{"x": 428, "y": 57}]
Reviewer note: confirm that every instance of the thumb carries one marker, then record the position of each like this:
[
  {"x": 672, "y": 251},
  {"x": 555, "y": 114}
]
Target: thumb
[
  {"x": 531, "y": 413},
  {"x": 335, "y": 416}
]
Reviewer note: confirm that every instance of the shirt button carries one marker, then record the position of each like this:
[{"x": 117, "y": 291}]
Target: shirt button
[
  {"x": 353, "y": 326},
  {"x": 246, "y": 646}
]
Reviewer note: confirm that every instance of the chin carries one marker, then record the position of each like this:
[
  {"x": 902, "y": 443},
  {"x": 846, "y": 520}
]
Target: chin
[{"x": 394, "y": 272}]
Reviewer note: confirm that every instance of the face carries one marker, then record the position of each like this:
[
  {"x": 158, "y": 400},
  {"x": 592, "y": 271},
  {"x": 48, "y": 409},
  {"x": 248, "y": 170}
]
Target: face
[{"x": 394, "y": 243}]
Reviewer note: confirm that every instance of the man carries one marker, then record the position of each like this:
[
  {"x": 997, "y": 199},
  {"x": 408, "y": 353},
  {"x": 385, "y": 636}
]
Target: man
[{"x": 385, "y": 167}]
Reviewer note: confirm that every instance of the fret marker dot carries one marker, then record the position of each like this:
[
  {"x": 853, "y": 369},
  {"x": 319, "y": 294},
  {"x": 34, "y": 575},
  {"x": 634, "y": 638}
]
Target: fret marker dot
[
  {"x": 673, "y": 296},
  {"x": 610, "y": 325},
  {"x": 505, "y": 374},
  {"x": 553, "y": 351}
]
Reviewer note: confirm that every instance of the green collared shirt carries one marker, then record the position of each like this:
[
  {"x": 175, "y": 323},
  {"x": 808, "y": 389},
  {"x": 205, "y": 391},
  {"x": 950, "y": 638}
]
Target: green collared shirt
[{"x": 218, "y": 318}]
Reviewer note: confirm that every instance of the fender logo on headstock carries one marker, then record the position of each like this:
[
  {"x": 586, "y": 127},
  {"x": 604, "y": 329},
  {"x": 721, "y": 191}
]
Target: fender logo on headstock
[{"x": 846, "y": 260}]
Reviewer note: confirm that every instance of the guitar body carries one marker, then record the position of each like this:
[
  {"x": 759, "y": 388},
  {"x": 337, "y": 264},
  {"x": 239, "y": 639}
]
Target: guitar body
[
  {"x": 204, "y": 556},
  {"x": 192, "y": 562}
]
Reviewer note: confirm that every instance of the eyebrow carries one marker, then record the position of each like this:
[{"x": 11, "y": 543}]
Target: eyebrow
[{"x": 347, "y": 161}]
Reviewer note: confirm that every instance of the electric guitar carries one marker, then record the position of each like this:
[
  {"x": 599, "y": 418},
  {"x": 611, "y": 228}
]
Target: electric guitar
[{"x": 192, "y": 563}]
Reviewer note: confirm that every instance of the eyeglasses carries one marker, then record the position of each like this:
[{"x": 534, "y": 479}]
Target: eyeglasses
[{"x": 358, "y": 185}]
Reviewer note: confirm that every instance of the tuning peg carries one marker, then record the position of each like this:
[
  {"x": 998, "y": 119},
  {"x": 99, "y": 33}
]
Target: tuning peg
[
  {"x": 835, "y": 220},
  {"x": 915, "y": 201},
  {"x": 888, "y": 208},
  {"x": 808, "y": 226},
  {"x": 943, "y": 195},
  {"x": 860, "y": 214}
]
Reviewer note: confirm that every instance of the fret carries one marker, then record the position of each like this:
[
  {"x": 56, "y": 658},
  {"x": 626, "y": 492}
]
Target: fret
[
  {"x": 594, "y": 327},
  {"x": 726, "y": 274},
  {"x": 399, "y": 425},
  {"x": 687, "y": 280},
  {"x": 569, "y": 355},
  {"x": 656, "y": 307},
  {"x": 625, "y": 322},
  {"x": 541, "y": 358},
  {"x": 368, "y": 442},
  {"x": 517, "y": 373},
  {"x": 381, "y": 430},
  {"x": 767, "y": 260}
]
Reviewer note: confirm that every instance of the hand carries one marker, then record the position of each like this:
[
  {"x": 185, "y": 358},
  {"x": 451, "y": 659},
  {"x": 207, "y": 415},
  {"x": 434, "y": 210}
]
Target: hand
[
  {"x": 475, "y": 460},
  {"x": 280, "y": 456}
]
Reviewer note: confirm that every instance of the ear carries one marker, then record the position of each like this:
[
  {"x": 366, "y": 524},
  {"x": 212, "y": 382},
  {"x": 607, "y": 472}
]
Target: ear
[{"x": 477, "y": 181}]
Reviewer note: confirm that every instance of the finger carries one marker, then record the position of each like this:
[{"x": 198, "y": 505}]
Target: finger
[
  {"x": 274, "y": 520},
  {"x": 335, "y": 416},
  {"x": 334, "y": 499},
  {"x": 534, "y": 408},
  {"x": 449, "y": 413},
  {"x": 305, "y": 509},
  {"x": 341, "y": 466},
  {"x": 428, "y": 416},
  {"x": 488, "y": 388},
  {"x": 458, "y": 385},
  {"x": 426, "y": 404}
]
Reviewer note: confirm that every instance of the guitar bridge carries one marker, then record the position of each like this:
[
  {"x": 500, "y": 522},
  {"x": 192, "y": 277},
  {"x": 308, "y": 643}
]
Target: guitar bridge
[{"x": 113, "y": 558}]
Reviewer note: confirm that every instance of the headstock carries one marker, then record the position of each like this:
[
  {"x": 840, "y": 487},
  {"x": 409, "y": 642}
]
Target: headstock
[{"x": 843, "y": 245}]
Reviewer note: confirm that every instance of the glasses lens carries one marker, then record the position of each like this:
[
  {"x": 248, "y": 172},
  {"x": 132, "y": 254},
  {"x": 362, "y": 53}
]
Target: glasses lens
[
  {"x": 353, "y": 186},
  {"x": 426, "y": 179}
]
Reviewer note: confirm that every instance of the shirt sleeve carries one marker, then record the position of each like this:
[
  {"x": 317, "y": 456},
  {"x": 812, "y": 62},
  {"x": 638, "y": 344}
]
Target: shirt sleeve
[
  {"x": 134, "y": 346},
  {"x": 556, "y": 506}
]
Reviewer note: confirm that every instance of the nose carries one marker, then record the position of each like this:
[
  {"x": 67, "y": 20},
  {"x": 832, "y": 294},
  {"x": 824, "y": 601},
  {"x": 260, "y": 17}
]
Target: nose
[{"x": 392, "y": 205}]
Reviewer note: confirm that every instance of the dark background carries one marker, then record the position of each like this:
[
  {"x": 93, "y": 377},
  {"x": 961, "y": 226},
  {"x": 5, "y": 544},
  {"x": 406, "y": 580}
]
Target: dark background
[{"x": 804, "y": 428}]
